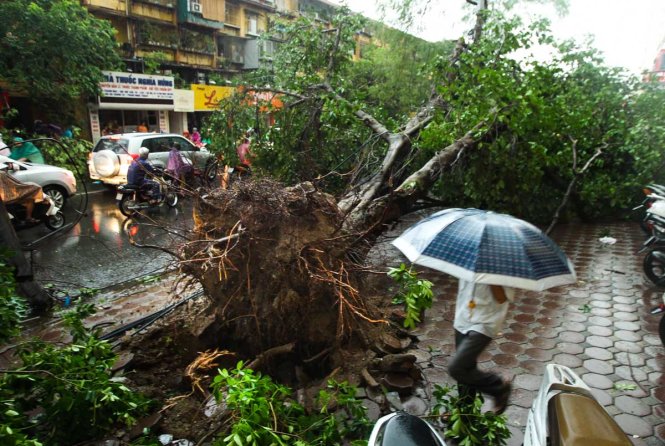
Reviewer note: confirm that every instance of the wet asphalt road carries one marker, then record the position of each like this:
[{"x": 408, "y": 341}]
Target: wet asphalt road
[{"x": 96, "y": 252}]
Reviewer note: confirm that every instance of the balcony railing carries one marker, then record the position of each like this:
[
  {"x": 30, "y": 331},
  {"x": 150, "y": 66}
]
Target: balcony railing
[{"x": 163, "y": 3}]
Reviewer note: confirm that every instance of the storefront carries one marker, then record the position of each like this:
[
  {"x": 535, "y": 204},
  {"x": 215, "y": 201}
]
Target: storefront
[
  {"x": 206, "y": 100},
  {"x": 131, "y": 100}
]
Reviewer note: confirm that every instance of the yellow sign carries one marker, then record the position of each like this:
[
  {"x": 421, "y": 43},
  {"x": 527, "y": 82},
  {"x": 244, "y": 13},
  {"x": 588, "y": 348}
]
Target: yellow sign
[{"x": 207, "y": 97}]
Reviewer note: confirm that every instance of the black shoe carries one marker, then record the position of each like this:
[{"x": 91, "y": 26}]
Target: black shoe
[{"x": 501, "y": 401}]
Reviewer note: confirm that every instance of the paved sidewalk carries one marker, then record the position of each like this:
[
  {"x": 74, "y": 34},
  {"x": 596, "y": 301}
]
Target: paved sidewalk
[{"x": 601, "y": 328}]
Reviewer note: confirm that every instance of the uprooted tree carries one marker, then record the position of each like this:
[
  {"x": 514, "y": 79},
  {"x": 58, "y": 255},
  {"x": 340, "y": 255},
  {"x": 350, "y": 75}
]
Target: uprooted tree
[{"x": 281, "y": 264}]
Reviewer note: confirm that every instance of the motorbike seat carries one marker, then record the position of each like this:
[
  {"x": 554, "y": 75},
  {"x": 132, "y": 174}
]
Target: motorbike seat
[{"x": 578, "y": 420}]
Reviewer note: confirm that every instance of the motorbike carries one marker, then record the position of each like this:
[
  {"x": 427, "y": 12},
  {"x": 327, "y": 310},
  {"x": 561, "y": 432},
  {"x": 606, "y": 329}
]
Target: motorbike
[
  {"x": 403, "y": 429},
  {"x": 44, "y": 212},
  {"x": 653, "y": 203},
  {"x": 134, "y": 199},
  {"x": 564, "y": 413}
]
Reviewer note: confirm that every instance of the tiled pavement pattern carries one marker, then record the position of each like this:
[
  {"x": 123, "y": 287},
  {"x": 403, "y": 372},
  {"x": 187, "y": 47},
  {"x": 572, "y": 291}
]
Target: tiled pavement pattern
[{"x": 601, "y": 328}]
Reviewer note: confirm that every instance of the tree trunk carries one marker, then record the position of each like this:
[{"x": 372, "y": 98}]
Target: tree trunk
[{"x": 38, "y": 298}]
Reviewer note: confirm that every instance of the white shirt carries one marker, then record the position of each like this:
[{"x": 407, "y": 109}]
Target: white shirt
[{"x": 476, "y": 309}]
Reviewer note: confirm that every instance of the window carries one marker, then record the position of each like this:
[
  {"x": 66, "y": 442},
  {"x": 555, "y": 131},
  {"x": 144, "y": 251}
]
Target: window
[
  {"x": 232, "y": 14},
  {"x": 252, "y": 23},
  {"x": 268, "y": 48}
]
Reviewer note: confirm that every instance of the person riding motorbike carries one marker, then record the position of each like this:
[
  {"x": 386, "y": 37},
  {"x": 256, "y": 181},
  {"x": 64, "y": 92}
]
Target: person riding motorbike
[
  {"x": 138, "y": 170},
  {"x": 26, "y": 151},
  {"x": 14, "y": 191}
]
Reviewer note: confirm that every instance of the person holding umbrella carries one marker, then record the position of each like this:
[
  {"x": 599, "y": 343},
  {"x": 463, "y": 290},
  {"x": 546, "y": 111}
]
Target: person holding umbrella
[
  {"x": 480, "y": 311},
  {"x": 491, "y": 254}
]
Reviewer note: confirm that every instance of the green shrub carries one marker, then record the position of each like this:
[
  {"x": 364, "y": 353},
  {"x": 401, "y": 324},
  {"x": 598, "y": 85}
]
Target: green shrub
[
  {"x": 13, "y": 308},
  {"x": 265, "y": 414},
  {"x": 69, "y": 388},
  {"x": 466, "y": 422},
  {"x": 74, "y": 158},
  {"x": 416, "y": 294}
]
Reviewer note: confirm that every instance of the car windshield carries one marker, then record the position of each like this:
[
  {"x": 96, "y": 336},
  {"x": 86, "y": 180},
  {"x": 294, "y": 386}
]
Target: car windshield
[{"x": 112, "y": 144}]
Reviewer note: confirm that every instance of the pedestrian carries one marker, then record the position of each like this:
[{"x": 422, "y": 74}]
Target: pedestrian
[
  {"x": 177, "y": 167},
  {"x": 244, "y": 152},
  {"x": 196, "y": 136},
  {"x": 479, "y": 315},
  {"x": 26, "y": 151},
  {"x": 142, "y": 127}
]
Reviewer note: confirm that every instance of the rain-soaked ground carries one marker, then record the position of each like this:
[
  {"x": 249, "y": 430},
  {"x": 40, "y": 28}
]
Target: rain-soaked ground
[{"x": 96, "y": 252}]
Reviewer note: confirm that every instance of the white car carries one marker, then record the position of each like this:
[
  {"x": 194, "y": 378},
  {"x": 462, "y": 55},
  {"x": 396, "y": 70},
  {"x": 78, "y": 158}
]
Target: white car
[
  {"x": 110, "y": 158},
  {"x": 56, "y": 182}
]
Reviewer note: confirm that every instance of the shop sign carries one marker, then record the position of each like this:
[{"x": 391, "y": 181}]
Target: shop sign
[
  {"x": 208, "y": 97},
  {"x": 183, "y": 100},
  {"x": 135, "y": 86}
]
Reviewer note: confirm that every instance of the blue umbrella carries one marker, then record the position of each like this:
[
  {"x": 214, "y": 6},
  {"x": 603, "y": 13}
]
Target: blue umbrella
[{"x": 486, "y": 247}]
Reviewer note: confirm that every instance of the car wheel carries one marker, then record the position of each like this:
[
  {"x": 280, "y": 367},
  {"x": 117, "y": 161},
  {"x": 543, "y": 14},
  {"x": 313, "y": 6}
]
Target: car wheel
[
  {"x": 56, "y": 221},
  {"x": 106, "y": 163},
  {"x": 57, "y": 194}
]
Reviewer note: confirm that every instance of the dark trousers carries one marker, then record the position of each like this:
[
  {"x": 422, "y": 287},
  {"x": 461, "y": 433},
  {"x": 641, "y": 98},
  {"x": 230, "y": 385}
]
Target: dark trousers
[
  {"x": 152, "y": 187},
  {"x": 464, "y": 367}
]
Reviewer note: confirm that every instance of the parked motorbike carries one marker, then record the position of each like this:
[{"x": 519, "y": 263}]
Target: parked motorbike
[
  {"x": 133, "y": 199},
  {"x": 654, "y": 196},
  {"x": 44, "y": 212},
  {"x": 565, "y": 412},
  {"x": 403, "y": 429}
]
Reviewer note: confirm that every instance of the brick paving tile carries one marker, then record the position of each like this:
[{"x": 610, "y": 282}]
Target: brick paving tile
[
  {"x": 630, "y": 373},
  {"x": 597, "y": 381},
  {"x": 630, "y": 347},
  {"x": 571, "y": 361},
  {"x": 627, "y": 325},
  {"x": 511, "y": 348},
  {"x": 571, "y": 336},
  {"x": 573, "y": 326},
  {"x": 602, "y": 396},
  {"x": 544, "y": 332},
  {"x": 598, "y": 353},
  {"x": 505, "y": 360},
  {"x": 518, "y": 338},
  {"x": 596, "y": 366},
  {"x": 630, "y": 336},
  {"x": 632, "y": 405},
  {"x": 533, "y": 366},
  {"x": 657, "y": 378},
  {"x": 518, "y": 327},
  {"x": 600, "y": 331},
  {"x": 660, "y": 432},
  {"x": 624, "y": 300},
  {"x": 527, "y": 382},
  {"x": 570, "y": 348},
  {"x": 625, "y": 308},
  {"x": 600, "y": 321},
  {"x": 543, "y": 343},
  {"x": 602, "y": 312},
  {"x": 630, "y": 359},
  {"x": 623, "y": 316},
  {"x": 634, "y": 425},
  {"x": 600, "y": 341}
]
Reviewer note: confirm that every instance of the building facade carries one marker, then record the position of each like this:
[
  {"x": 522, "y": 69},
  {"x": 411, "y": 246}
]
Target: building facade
[{"x": 184, "y": 43}]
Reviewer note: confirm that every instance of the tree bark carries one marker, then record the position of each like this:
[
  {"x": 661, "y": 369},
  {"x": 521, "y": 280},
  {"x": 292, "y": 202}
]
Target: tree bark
[{"x": 37, "y": 297}]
